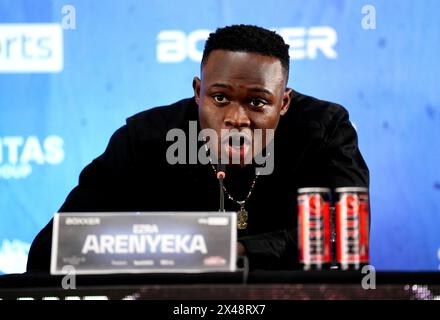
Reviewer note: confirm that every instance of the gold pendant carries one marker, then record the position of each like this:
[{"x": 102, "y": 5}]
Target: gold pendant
[{"x": 242, "y": 219}]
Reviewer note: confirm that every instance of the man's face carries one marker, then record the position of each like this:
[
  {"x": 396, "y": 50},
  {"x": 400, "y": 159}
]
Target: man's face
[{"x": 242, "y": 91}]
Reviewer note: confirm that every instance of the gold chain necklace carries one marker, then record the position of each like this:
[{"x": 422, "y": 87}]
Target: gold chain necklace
[{"x": 242, "y": 214}]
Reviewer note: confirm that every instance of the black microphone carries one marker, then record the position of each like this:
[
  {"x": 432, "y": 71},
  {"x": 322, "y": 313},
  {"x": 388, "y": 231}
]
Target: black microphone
[{"x": 221, "y": 174}]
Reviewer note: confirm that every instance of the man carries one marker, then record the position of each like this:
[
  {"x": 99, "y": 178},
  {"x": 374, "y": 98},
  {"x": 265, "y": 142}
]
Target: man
[{"x": 244, "y": 73}]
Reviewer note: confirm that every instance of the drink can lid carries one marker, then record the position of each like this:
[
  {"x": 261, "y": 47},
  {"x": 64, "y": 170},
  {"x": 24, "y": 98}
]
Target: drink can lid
[
  {"x": 351, "y": 189},
  {"x": 314, "y": 190}
]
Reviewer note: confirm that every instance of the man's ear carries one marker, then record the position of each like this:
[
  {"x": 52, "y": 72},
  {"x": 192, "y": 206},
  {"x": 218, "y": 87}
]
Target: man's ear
[
  {"x": 196, "y": 87},
  {"x": 287, "y": 97}
]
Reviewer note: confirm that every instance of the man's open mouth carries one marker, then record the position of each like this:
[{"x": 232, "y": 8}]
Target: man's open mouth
[
  {"x": 236, "y": 141},
  {"x": 237, "y": 146}
]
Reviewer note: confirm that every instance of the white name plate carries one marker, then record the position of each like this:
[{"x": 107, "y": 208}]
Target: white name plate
[{"x": 143, "y": 242}]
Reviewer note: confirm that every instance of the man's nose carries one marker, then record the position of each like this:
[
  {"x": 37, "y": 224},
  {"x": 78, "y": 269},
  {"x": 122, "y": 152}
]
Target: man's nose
[{"x": 236, "y": 117}]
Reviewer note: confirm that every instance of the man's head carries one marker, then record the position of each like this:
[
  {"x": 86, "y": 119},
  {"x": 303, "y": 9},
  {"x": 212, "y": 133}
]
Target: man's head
[{"x": 243, "y": 82}]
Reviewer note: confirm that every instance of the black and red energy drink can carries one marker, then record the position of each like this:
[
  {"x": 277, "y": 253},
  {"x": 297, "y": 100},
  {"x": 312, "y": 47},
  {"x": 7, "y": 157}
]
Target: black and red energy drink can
[
  {"x": 352, "y": 227},
  {"x": 314, "y": 228}
]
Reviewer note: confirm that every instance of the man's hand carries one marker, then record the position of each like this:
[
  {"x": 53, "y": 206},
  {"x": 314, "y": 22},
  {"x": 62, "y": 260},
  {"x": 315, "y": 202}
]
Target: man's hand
[{"x": 241, "y": 250}]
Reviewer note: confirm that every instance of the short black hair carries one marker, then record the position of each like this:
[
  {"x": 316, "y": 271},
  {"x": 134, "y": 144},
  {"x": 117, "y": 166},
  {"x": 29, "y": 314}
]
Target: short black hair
[{"x": 248, "y": 38}]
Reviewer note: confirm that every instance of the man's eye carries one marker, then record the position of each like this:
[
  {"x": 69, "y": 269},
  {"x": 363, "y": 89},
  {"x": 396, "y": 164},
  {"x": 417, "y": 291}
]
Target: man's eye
[
  {"x": 219, "y": 98},
  {"x": 257, "y": 103}
]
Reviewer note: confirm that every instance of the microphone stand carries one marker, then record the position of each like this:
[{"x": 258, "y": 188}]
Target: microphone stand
[{"x": 221, "y": 168}]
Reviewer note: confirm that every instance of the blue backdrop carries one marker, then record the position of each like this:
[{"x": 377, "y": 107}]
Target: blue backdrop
[{"x": 71, "y": 72}]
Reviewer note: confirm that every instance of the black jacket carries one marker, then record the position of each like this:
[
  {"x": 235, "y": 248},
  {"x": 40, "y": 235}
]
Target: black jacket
[{"x": 315, "y": 146}]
